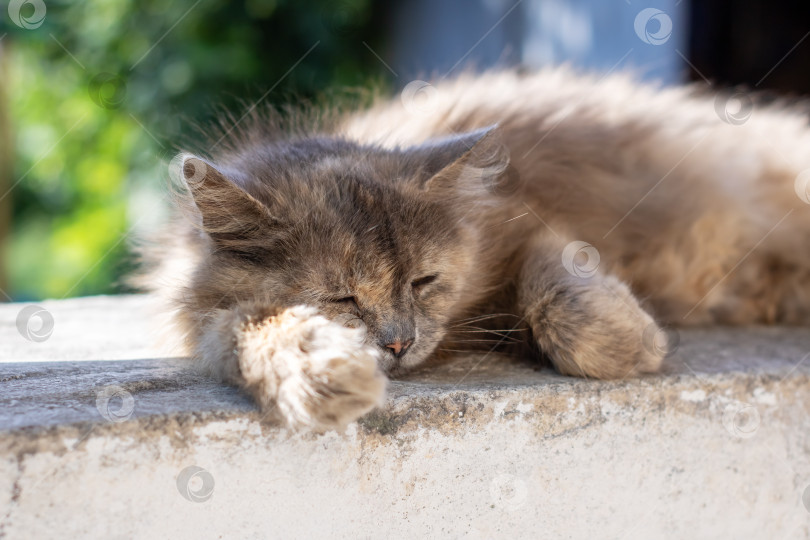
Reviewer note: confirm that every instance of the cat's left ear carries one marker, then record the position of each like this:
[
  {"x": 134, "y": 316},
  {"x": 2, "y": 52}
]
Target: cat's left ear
[
  {"x": 230, "y": 216},
  {"x": 462, "y": 163}
]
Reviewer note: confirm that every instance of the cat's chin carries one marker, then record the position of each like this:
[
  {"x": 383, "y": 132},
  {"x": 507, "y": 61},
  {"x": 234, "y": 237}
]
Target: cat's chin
[
  {"x": 394, "y": 367},
  {"x": 390, "y": 364}
]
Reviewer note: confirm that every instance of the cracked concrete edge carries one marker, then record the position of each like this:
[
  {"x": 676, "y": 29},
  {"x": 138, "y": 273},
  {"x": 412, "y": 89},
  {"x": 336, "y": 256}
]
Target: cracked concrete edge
[
  {"x": 431, "y": 463},
  {"x": 551, "y": 410}
]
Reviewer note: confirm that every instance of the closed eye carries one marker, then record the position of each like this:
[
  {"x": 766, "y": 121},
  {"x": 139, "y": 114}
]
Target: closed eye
[
  {"x": 347, "y": 300},
  {"x": 421, "y": 282}
]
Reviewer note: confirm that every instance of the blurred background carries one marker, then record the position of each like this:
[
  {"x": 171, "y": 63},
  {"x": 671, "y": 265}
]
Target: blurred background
[{"x": 96, "y": 97}]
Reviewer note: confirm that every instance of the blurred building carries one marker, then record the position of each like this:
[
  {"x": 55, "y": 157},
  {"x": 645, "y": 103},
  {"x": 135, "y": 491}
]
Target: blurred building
[
  {"x": 762, "y": 45},
  {"x": 440, "y": 38}
]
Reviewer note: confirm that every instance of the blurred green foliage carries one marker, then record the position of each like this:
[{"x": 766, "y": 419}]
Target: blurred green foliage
[{"x": 102, "y": 93}]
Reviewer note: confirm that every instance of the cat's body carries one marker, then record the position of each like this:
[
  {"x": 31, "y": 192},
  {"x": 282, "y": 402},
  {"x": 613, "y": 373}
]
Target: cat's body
[{"x": 417, "y": 220}]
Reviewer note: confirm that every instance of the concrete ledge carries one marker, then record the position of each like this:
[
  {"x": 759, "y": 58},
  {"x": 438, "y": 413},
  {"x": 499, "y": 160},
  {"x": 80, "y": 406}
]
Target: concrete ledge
[{"x": 718, "y": 446}]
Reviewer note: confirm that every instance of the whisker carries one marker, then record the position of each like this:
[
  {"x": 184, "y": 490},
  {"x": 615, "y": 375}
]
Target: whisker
[
  {"x": 500, "y": 333},
  {"x": 465, "y": 322},
  {"x": 486, "y": 316},
  {"x": 479, "y": 329},
  {"x": 502, "y": 340}
]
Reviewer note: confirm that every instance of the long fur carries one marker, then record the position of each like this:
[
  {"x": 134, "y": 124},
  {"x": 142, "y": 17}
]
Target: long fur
[{"x": 582, "y": 209}]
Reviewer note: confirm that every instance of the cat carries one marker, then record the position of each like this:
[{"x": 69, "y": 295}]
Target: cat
[{"x": 554, "y": 210}]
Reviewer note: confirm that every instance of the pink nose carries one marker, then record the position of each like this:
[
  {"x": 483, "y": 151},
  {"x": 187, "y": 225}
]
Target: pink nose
[{"x": 399, "y": 347}]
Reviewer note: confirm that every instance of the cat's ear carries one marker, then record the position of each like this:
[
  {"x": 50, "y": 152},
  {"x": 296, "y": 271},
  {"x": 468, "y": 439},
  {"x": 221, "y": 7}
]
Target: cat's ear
[
  {"x": 465, "y": 162},
  {"x": 230, "y": 215}
]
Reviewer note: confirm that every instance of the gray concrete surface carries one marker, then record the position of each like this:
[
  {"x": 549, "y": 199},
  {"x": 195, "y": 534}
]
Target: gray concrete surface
[{"x": 99, "y": 437}]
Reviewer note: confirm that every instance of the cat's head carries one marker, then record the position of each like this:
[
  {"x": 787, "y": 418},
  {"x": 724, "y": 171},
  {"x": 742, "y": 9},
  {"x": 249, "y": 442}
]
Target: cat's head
[{"x": 384, "y": 239}]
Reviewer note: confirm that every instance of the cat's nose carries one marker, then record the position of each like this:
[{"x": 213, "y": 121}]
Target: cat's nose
[{"x": 399, "y": 347}]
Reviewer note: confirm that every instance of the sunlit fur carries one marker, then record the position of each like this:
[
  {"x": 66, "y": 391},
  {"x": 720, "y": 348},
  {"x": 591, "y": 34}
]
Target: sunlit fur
[{"x": 697, "y": 217}]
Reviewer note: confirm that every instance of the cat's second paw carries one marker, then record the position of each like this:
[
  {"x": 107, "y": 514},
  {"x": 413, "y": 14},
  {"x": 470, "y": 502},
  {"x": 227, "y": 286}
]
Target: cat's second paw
[
  {"x": 319, "y": 374},
  {"x": 599, "y": 331}
]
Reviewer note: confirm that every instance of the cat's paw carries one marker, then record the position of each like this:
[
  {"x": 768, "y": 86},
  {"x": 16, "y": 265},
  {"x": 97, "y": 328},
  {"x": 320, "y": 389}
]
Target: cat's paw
[
  {"x": 319, "y": 374},
  {"x": 600, "y": 331}
]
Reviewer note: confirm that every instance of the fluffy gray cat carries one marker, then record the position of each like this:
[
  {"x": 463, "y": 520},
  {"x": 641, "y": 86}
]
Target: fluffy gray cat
[{"x": 549, "y": 210}]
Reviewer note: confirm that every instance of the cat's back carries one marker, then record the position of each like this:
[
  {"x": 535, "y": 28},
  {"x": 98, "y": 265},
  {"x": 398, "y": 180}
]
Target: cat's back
[
  {"x": 556, "y": 101},
  {"x": 594, "y": 150}
]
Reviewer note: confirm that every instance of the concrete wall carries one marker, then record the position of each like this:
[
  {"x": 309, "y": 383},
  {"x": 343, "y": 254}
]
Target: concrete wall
[{"x": 716, "y": 447}]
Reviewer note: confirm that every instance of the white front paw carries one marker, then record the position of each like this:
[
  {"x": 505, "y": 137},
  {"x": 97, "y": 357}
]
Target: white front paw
[{"x": 321, "y": 375}]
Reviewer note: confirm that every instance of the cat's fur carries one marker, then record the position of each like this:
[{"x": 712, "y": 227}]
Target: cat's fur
[{"x": 496, "y": 195}]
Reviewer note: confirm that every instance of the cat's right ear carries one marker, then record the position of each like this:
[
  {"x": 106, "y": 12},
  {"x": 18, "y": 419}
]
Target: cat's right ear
[
  {"x": 462, "y": 164},
  {"x": 229, "y": 215}
]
